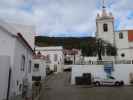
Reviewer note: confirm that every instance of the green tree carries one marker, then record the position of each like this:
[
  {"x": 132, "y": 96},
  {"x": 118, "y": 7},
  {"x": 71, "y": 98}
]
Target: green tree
[{"x": 102, "y": 45}]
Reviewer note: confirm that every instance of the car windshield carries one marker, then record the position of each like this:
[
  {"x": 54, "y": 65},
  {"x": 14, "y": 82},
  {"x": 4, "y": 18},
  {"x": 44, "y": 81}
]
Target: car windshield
[{"x": 110, "y": 77}]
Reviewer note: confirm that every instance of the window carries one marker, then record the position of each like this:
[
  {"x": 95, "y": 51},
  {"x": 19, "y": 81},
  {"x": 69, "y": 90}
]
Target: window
[
  {"x": 122, "y": 55},
  {"x": 22, "y": 63},
  {"x": 105, "y": 27},
  {"x": 121, "y": 35},
  {"x": 110, "y": 77},
  {"x": 29, "y": 67},
  {"x": 36, "y": 78},
  {"x": 36, "y": 67}
]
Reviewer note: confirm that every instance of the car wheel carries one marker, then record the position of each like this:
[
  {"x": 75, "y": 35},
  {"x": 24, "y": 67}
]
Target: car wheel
[
  {"x": 117, "y": 84},
  {"x": 122, "y": 83},
  {"x": 97, "y": 83}
]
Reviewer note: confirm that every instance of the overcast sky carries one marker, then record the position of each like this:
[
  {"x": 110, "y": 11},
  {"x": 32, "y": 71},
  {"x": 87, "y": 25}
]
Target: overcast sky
[{"x": 65, "y": 17}]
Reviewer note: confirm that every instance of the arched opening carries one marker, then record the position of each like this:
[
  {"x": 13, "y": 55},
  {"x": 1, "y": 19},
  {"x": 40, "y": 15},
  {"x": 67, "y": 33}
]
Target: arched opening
[{"x": 105, "y": 27}]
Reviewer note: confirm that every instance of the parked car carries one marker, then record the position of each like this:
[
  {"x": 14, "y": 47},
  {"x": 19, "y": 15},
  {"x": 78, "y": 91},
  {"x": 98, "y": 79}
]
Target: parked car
[{"x": 107, "y": 81}]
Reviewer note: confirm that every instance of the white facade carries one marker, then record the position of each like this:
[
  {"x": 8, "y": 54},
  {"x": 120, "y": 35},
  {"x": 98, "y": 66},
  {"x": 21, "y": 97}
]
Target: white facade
[
  {"x": 124, "y": 46},
  {"x": 73, "y": 55},
  {"x": 106, "y": 32},
  {"x": 28, "y": 32},
  {"x": 121, "y": 72},
  {"x": 87, "y": 59},
  {"x": 105, "y": 26},
  {"x": 40, "y": 70},
  {"x": 16, "y": 47},
  {"x": 54, "y": 55},
  {"x": 4, "y": 76},
  {"x": 19, "y": 75}
]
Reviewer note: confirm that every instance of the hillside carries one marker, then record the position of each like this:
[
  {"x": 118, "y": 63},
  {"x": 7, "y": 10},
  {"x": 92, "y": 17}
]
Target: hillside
[{"x": 86, "y": 44}]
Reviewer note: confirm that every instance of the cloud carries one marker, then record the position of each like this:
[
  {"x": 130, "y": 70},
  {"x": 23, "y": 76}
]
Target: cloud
[
  {"x": 69, "y": 16},
  {"x": 122, "y": 11},
  {"x": 65, "y": 17},
  {"x": 16, "y": 11}
]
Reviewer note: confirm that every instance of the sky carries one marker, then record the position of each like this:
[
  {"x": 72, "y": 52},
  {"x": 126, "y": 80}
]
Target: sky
[{"x": 65, "y": 17}]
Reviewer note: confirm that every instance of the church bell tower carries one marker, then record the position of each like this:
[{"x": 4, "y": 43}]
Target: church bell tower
[{"x": 105, "y": 25}]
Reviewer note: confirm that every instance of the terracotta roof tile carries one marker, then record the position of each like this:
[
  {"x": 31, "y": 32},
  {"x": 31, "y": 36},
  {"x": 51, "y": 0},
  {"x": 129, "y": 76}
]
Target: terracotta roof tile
[{"x": 130, "y": 35}]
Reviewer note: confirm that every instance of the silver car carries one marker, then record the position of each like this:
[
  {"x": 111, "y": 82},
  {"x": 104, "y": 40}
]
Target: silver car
[{"x": 97, "y": 81}]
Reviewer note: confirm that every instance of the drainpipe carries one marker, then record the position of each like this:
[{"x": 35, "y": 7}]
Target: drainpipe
[{"x": 9, "y": 82}]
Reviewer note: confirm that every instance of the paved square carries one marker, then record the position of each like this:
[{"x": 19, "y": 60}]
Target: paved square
[{"x": 57, "y": 88}]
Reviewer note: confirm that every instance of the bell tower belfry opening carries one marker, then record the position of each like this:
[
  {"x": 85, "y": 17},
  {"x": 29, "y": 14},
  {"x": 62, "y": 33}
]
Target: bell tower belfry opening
[{"x": 105, "y": 25}]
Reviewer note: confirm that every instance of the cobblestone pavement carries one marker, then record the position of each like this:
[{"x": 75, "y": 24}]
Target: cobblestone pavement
[{"x": 58, "y": 88}]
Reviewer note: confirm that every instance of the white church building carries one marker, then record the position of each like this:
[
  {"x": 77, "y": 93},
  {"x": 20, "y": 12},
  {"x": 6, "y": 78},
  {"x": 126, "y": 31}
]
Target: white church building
[{"x": 122, "y": 40}]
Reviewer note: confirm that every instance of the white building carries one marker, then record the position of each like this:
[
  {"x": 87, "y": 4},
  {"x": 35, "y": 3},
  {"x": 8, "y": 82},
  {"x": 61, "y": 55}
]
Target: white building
[
  {"x": 124, "y": 44},
  {"x": 19, "y": 51},
  {"x": 38, "y": 68},
  {"x": 122, "y": 68},
  {"x": 54, "y": 55},
  {"x": 122, "y": 40},
  {"x": 4, "y": 76},
  {"x": 72, "y": 56}
]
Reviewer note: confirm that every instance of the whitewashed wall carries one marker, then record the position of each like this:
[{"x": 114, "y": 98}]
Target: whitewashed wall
[
  {"x": 122, "y": 43},
  {"x": 123, "y": 46},
  {"x": 68, "y": 66},
  {"x": 27, "y": 31},
  {"x": 4, "y": 73},
  {"x": 18, "y": 75},
  {"x": 42, "y": 68},
  {"x": 127, "y": 52},
  {"x": 107, "y": 36},
  {"x": 51, "y": 51},
  {"x": 78, "y": 70},
  {"x": 121, "y": 71},
  {"x": 7, "y": 44},
  {"x": 15, "y": 48},
  {"x": 86, "y": 59}
]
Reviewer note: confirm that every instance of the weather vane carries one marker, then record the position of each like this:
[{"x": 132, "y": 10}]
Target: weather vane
[{"x": 104, "y": 4}]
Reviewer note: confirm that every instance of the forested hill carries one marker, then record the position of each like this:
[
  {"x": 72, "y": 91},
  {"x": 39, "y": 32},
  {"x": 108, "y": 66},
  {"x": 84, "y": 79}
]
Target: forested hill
[
  {"x": 66, "y": 42},
  {"x": 87, "y": 44}
]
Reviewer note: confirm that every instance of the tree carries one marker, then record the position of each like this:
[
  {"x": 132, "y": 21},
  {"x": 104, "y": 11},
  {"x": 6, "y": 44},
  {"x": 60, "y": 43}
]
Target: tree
[
  {"x": 104, "y": 47},
  {"x": 99, "y": 45}
]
